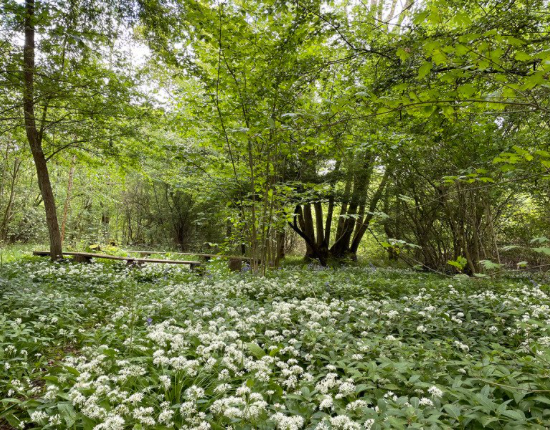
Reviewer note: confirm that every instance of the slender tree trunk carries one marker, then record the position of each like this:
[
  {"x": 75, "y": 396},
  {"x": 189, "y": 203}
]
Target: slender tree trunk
[
  {"x": 330, "y": 209},
  {"x": 8, "y": 212},
  {"x": 34, "y": 136},
  {"x": 281, "y": 236},
  {"x": 363, "y": 225},
  {"x": 307, "y": 218},
  {"x": 68, "y": 199},
  {"x": 343, "y": 209},
  {"x": 4, "y": 170},
  {"x": 341, "y": 245},
  {"x": 319, "y": 223}
]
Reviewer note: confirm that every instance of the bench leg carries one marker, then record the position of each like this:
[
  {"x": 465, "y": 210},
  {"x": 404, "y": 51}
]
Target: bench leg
[
  {"x": 134, "y": 264},
  {"x": 198, "y": 268}
]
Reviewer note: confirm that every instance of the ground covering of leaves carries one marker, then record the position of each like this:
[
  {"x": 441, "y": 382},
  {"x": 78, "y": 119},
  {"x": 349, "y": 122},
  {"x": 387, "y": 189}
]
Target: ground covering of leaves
[{"x": 102, "y": 346}]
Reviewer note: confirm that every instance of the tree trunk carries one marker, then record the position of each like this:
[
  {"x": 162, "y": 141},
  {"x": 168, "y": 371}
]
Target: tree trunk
[
  {"x": 313, "y": 250},
  {"x": 67, "y": 199},
  {"x": 343, "y": 209},
  {"x": 34, "y": 136},
  {"x": 364, "y": 223},
  {"x": 307, "y": 228},
  {"x": 9, "y": 207},
  {"x": 281, "y": 236}
]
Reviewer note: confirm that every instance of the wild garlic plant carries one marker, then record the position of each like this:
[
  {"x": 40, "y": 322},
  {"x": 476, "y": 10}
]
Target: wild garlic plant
[{"x": 102, "y": 346}]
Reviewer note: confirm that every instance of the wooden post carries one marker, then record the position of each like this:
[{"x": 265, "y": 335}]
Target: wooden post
[
  {"x": 82, "y": 259},
  {"x": 235, "y": 264}
]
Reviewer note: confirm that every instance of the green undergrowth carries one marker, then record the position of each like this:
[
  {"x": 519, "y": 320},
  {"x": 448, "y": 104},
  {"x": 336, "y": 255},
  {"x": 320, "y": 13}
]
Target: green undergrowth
[{"x": 104, "y": 346}]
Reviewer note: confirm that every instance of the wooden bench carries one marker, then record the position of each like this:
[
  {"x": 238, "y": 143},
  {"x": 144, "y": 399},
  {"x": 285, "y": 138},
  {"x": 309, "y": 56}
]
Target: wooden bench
[
  {"x": 86, "y": 257},
  {"x": 235, "y": 262},
  {"x": 206, "y": 256}
]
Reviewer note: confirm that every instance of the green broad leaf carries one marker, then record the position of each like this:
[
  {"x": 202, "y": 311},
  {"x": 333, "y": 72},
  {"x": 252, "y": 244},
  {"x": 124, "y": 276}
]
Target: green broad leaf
[
  {"x": 10, "y": 400},
  {"x": 68, "y": 413},
  {"x": 452, "y": 410},
  {"x": 542, "y": 153},
  {"x": 402, "y": 54},
  {"x": 13, "y": 421},
  {"x": 462, "y": 50},
  {"x": 541, "y": 399},
  {"x": 88, "y": 423},
  {"x": 540, "y": 239},
  {"x": 463, "y": 18},
  {"x": 424, "y": 69},
  {"x": 502, "y": 407},
  {"x": 514, "y": 414},
  {"x": 428, "y": 110},
  {"x": 255, "y": 350},
  {"x": 467, "y": 90},
  {"x": 522, "y": 56},
  {"x": 490, "y": 265},
  {"x": 514, "y": 41},
  {"x": 524, "y": 153},
  {"x": 522, "y": 264},
  {"x": 420, "y": 17},
  {"x": 72, "y": 370},
  {"x": 438, "y": 57},
  {"x": 448, "y": 111},
  {"x": 487, "y": 419},
  {"x": 485, "y": 402},
  {"x": 534, "y": 80},
  {"x": 397, "y": 423},
  {"x": 542, "y": 250},
  {"x": 483, "y": 64},
  {"x": 459, "y": 263}
]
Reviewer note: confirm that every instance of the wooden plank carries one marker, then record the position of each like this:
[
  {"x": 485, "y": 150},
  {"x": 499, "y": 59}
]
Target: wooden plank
[
  {"x": 238, "y": 257},
  {"x": 88, "y": 255}
]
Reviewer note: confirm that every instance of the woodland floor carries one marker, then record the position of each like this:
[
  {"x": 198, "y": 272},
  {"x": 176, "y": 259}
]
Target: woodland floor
[{"x": 101, "y": 346}]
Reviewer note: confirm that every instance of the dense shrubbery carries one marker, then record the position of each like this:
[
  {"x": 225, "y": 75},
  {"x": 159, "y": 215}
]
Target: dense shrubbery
[{"x": 101, "y": 346}]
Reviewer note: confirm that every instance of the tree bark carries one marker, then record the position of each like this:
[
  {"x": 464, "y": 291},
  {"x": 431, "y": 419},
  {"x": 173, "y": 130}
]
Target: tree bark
[
  {"x": 281, "y": 235},
  {"x": 9, "y": 207},
  {"x": 312, "y": 248},
  {"x": 68, "y": 199},
  {"x": 306, "y": 223},
  {"x": 34, "y": 136},
  {"x": 319, "y": 223},
  {"x": 364, "y": 223}
]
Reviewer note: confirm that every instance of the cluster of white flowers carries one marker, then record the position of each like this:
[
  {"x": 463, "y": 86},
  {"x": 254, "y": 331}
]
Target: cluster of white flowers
[
  {"x": 424, "y": 401},
  {"x": 435, "y": 392},
  {"x": 285, "y": 422},
  {"x": 461, "y": 346}
]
